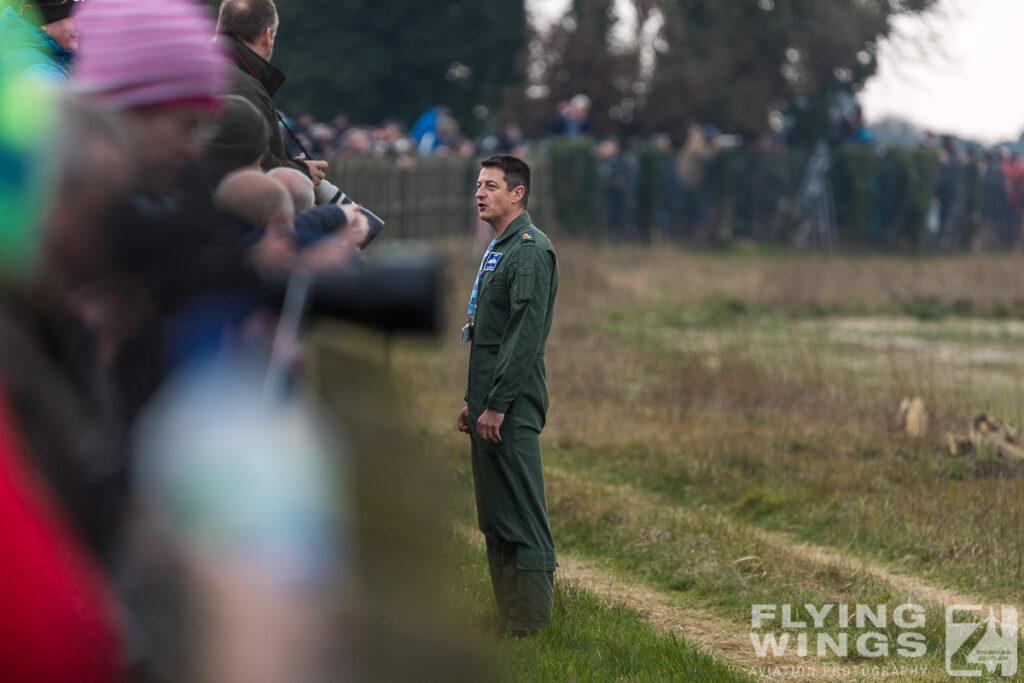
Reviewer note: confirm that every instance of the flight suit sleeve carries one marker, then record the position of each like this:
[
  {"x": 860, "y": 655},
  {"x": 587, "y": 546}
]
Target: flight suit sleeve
[{"x": 529, "y": 291}]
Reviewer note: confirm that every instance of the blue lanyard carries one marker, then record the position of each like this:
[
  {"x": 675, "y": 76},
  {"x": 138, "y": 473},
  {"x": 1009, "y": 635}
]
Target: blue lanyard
[{"x": 479, "y": 276}]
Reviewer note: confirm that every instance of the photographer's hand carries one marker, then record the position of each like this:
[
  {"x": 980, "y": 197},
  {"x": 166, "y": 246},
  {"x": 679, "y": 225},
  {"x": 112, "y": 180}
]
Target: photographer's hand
[
  {"x": 330, "y": 255},
  {"x": 275, "y": 250},
  {"x": 317, "y": 169},
  {"x": 357, "y": 228}
]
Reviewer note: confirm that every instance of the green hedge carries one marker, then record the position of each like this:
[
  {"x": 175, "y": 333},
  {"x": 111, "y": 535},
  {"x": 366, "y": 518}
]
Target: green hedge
[
  {"x": 650, "y": 188},
  {"x": 906, "y": 180},
  {"x": 880, "y": 200},
  {"x": 854, "y": 174},
  {"x": 577, "y": 187}
]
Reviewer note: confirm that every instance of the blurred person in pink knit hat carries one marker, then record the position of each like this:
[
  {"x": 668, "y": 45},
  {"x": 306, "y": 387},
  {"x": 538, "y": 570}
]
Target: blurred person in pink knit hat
[{"x": 154, "y": 63}]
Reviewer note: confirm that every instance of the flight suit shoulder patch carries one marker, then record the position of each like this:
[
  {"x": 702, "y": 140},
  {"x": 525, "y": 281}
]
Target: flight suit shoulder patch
[{"x": 528, "y": 238}]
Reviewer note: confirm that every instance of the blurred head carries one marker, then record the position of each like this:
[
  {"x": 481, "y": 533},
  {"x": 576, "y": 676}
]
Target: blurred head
[
  {"x": 236, "y": 136},
  {"x": 298, "y": 184},
  {"x": 253, "y": 22},
  {"x": 608, "y": 149},
  {"x": 358, "y": 141},
  {"x": 54, "y": 18},
  {"x": 93, "y": 171},
  {"x": 163, "y": 82},
  {"x": 502, "y": 189},
  {"x": 580, "y": 105},
  {"x": 256, "y": 198},
  {"x": 130, "y": 60},
  {"x": 64, "y": 33},
  {"x": 163, "y": 142}
]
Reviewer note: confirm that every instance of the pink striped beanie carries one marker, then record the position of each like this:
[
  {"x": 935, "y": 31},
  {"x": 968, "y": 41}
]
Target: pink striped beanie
[{"x": 137, "y": 54}]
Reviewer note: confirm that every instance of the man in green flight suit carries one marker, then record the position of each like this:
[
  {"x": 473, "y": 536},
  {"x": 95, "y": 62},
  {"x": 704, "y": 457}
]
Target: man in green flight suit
[{"x": 510, "y": 315}]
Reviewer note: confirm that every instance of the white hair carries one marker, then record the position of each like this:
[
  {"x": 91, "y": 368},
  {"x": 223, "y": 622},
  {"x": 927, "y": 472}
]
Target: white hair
[{"x": 300, "y": 187}]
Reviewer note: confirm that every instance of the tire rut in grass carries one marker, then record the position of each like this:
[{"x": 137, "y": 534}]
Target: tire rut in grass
[
  {"x": 660, "y": 609},
  {"x": 915, "y": 587}
]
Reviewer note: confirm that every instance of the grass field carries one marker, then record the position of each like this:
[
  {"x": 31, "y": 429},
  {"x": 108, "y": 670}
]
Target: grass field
[{"x": 724, "y": 433}]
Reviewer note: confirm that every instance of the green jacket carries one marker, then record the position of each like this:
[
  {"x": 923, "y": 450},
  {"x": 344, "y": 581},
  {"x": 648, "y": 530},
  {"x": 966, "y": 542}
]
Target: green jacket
[
  {"x": 257, "y": 80},
  {"x": 516, "y": 303},
  {"x": 25, "y": 49}
]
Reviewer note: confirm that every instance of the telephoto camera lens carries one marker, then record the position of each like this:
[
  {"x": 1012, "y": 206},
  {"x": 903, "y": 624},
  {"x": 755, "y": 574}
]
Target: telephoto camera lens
[{"x": 328, "y": 193}]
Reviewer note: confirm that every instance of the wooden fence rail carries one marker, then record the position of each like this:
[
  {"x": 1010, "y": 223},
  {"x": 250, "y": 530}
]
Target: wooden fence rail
[{"x": 431, "y": 198}]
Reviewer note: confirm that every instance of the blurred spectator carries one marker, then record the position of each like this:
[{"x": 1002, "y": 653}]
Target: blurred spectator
[
  {"x": 571, "y": 118},
  {"x": 163, "y": 102},
  {"x": 323, "y": 139},
  {"x": 433, "y": 130},
  {"x": 768, "y": 182},
  {"x": 578, "y": 121},
  {"x": 299, "y": 186},
  {"x": 264, "y": 204},
  {"x": 340, "y": 122},
  {"x": 668, "y": 212},
  {"x": 852, "y": 131},
  {"x": 508, "y": 140},
  {"x": 59, "y": 621},
  {"x": 62, "y": 458},
  {"x": 464, "y": 147},
  {"x": 236, "y": 137},
  {"x": 556, "y": 122},
  {"x": 358, "y": 141},
  {"x": 616, "y": 172},
  {"x": 61, "y": 333},
  {"x": 40, "y": 42},
  {"x": 951, "y": 194},
  {"x": 246, "y": 32},
  {"x": 1013, "y": 175},
  {"x": 692, "y": 164},
  {"x": 995, "y": 202},
  {"x": 241, "y": 495}
]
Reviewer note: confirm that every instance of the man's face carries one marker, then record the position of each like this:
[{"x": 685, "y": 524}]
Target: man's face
[
  {"x": 73, "y": 235},
  {"x": 164, "y": 142},
  {"x": 64, "y": 32},
  {"x": 495, "y": 203}
]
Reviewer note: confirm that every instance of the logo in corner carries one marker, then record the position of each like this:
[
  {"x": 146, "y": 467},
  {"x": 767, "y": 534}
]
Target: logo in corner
[{"x": 990, "y": 643}]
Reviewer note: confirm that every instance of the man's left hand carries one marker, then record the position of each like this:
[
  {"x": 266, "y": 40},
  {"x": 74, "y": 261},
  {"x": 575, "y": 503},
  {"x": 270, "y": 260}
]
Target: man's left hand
[{"x": 489, "y": 424}]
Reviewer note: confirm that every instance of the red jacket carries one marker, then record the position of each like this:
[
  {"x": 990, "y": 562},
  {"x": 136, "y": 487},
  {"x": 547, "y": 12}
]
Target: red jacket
[{"x": 58, "y": 619}]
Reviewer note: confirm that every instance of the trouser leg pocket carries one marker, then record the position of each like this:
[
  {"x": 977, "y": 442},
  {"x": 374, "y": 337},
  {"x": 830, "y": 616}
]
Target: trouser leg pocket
[{"x": 534, "y": 572}]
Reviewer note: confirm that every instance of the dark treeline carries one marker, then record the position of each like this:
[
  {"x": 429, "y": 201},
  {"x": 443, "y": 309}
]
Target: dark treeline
[{"x": 745, "y": 66}]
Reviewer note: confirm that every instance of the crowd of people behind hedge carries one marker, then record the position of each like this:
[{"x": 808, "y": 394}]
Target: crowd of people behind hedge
[{"x": 936, "y": 193}]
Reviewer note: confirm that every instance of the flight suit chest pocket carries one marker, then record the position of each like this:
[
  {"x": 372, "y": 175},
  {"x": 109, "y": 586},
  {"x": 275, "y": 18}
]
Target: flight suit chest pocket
[{"x": 495, "y": 290}]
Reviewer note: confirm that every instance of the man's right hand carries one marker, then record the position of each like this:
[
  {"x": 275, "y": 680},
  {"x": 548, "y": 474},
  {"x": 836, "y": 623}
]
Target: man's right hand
[
  {"x": 317, "y": 169},
  {"x": 464, "y": 419}
]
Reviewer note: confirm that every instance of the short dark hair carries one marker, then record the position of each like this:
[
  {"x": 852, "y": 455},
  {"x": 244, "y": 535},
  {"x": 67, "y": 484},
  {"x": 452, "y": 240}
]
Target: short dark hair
[
  {"x": 517, "y": 172},
  {"x": 246, "y": 20}
]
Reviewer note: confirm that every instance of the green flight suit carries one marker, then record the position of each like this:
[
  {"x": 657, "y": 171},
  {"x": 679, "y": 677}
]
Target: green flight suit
[{"x": 506, "y": 372}]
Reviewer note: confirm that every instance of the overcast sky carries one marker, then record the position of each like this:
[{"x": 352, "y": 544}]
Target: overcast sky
[
  {"x": 968, "y": 84},
  {"x": 958, "y": 72}
]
